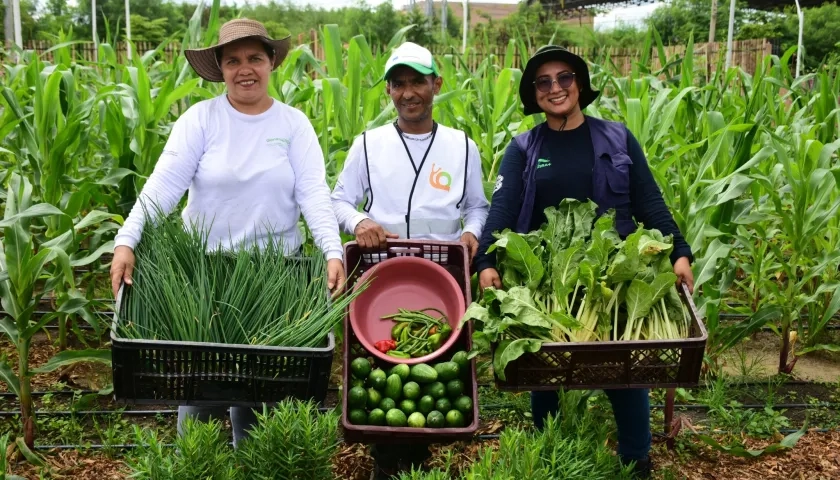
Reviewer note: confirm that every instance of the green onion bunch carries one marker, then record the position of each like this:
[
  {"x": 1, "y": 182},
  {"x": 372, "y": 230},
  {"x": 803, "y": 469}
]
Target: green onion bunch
[{"x": 184, "y": 289}]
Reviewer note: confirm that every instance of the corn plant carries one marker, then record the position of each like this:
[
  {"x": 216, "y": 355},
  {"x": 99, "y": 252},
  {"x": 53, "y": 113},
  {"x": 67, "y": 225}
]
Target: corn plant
[
  {"x": 20, "y": 269},
  {"x": 23, "y": 265}
]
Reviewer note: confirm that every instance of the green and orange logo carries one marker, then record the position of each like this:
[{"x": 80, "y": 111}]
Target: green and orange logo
[{"x": 440, "y": 179}]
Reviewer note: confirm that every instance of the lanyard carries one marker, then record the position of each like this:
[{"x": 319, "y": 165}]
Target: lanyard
[{"x": 413, "y": 165}]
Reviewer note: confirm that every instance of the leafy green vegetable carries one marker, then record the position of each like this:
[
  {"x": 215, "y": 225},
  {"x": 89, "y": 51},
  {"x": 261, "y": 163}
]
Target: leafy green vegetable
[{"x": 576, "y": 280}]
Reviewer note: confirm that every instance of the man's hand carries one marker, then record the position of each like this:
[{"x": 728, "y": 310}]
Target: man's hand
[
  {"x": 371, "y": 235},
  {"x": 472, "y": 244},
  {"x": 684, "y": 274},
  {"x": 122, "y": 266},
  {"x": 335, "y": 276}
]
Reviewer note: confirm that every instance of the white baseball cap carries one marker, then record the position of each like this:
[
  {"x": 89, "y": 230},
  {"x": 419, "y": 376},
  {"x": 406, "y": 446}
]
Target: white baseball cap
[{"x": 414, "y": 56}]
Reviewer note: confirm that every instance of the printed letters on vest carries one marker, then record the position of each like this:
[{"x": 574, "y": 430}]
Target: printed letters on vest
[
  {"x": 421, "y": 199},
  {"x": 610, "y": 174}
]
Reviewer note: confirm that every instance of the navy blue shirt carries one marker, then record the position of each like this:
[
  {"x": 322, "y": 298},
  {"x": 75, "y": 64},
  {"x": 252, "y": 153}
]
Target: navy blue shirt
[{"x": 564, "y": 170}]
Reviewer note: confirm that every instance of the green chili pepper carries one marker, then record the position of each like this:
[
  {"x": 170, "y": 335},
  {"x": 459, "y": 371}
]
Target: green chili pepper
[
  {"x": 398, "y": 354},
  {"x": 398, "y": 328},
  {"x": 435, "y": 341}
]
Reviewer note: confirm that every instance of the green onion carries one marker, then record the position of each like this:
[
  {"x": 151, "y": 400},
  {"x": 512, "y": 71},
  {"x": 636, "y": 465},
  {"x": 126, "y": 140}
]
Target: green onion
[{"x": 187, "y": 290}]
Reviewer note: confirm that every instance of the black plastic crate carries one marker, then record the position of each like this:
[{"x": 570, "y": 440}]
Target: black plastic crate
[
  {"x": 612, "y": 364},
  {"x": 215, "y": 374}
]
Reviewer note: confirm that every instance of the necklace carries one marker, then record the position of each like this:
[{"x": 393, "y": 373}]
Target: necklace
[{"x": 417, "y": 139}]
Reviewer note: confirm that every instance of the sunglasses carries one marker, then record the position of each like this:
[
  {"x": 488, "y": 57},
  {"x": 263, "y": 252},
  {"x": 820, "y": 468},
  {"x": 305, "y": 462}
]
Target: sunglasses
[{"x": 545, "y": 83}]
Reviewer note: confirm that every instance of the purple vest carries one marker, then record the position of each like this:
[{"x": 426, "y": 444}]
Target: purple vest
[{"x": 610, "y": 172}]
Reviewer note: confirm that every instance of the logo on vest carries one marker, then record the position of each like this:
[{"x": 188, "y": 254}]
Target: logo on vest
[
  {"x": 543, "y": 162},
  {"x": 440, "y": 179}
]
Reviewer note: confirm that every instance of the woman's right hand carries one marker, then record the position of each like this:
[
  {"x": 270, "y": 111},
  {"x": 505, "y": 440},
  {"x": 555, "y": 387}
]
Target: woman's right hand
[
  {"x": 489, "y": 277},
  {"x": 121, "y": 267}
]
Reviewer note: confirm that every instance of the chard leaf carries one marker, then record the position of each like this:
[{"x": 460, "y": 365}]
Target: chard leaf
[
  {"x": 661, "y": 284},
  {"x": 558, "y": 228},
  {"x": 524, "y": 260},
  {"x": 625, "y": 264},
  {"x": 480, "y": 344},
  {"x": 587, "y": 275},
  {"x": 475, "y": 312},
  {"x": 510, "y": 350},
  {"x": 652, "y": 245},
  {"x": 510, "y": 275},
  {"x": 564, "y": 270},
  {"x": 639, "y": 300},
  {"x": 584, "y": 219},
  {"x": 603, "y": 242},
  {"x": 519, "y": 304},
  {"x": 566, "y": 320}
]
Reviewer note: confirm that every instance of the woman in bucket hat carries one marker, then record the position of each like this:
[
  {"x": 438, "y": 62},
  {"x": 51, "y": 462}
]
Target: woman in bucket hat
[
  {"x": 251, "y": 164},
  {"x": 572, "y": 155}
]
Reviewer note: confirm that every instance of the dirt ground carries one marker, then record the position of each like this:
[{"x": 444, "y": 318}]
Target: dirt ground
[
  {"x": 815, "y": 457},
  {"x": 760, "y": 355}
]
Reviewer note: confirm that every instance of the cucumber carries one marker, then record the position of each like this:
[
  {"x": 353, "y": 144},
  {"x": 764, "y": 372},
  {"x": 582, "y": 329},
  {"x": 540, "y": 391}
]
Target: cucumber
[
  {"x": 422, "y": 373},
  {"x": 447, "y": 371},
  {"x": 393, "y": 387}
]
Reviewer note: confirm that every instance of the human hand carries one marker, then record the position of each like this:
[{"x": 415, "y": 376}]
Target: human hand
[
  {"x": 684, "y": 274},
  {"x": 335, "y": 276},
  {"x": 122, "y": 266},
  {"x": 472, "y": 244},
  {"x": 370, "y": 234},
  {"x": 489, "y": 277}
]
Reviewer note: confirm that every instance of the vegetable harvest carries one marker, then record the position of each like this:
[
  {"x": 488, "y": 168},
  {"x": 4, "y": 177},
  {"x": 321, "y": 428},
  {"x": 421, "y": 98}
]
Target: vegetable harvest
[
  {"x": 186, "y": 290},
  {"x": 419, "y": 396},
  {"x": 415, "y": 333},
  {"x": 575, "y": 280}
]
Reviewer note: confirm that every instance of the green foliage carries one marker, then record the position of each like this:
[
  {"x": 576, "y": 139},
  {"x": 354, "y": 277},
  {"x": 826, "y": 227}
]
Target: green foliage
[
  {"x": 571, "y": 446},
  {"x": 575, "y": 280},
  {"x": 290, "y": 440},
  {"x": 202, "y": 453},
  {"x": 186, "y": 289}
]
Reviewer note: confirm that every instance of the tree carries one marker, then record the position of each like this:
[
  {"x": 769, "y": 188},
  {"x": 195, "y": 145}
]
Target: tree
[{"x": 676, "y": 20}]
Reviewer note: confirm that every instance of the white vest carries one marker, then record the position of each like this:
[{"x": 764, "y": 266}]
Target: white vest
[{"x": 416, "y": 204}]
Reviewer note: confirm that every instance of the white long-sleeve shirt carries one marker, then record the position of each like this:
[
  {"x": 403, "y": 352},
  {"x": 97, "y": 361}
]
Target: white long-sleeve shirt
[
  {"x": 353, "y": 182},
  {"x": 249, "y": 176}
]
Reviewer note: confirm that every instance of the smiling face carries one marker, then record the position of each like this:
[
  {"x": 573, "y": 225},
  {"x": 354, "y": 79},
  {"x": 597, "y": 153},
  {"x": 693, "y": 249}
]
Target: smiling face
[
  {"x": 246, "y": 68},
  {"x": 413, "y": 94},
  {"x": 561, "y": 97}
]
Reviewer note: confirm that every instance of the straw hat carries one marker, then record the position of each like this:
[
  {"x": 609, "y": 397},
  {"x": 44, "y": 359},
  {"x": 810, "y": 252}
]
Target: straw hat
[{"x": 203, "y": 60}]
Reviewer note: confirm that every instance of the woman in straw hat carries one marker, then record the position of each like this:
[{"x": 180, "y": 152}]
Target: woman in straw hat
[
  {"x": 251, "y": 163},
  {"x": 572, "y": 155}
]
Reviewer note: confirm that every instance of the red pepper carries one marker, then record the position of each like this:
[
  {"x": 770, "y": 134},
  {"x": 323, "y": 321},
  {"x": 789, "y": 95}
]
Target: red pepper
[{"x": 385, "y": 345}]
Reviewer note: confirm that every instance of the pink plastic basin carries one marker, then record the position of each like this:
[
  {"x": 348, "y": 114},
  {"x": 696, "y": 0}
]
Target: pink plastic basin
[{"x": 412, "y": 283}]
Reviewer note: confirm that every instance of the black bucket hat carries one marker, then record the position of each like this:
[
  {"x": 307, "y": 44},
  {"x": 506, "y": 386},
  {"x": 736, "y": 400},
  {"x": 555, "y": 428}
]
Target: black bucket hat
[{"x": 548, "y": 53}]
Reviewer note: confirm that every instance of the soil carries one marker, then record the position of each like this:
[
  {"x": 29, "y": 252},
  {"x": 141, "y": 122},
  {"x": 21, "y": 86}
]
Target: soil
[
  {"x": 761, "y": 357},
  {"x": 83, "y": 375},
  {"x": 815, "y": 457},
  {"x": 71, "y": 464}
]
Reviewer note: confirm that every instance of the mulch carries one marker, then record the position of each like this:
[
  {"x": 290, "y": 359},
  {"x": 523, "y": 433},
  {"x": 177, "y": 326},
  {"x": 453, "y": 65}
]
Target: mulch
[{"x": 815, "y": 457}]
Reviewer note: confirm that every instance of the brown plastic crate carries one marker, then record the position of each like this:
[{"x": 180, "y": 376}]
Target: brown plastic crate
[
  {"x": 453, "y": 257},
  {"x": 612, "y": 365}
]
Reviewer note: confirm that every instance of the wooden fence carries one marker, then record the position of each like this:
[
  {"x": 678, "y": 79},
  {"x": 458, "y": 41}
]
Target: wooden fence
[{"x": 707, "y": 56}]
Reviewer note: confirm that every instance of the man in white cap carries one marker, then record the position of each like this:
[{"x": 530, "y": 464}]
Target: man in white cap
[
  {"x": 418, "y": 179},
  {"x": 414, "y": 179}
]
